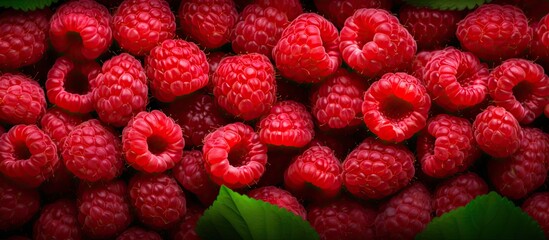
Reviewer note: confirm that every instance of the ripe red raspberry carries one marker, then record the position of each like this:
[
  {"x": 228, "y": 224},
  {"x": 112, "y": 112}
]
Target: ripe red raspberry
[
  {"x": 539, "y": 47},
  {"x": 287, "y": 124},
  {"x": 537, "y": 206},
  {"x": 23, "y": 37},
  {"x": 70, "y": 84},
  {"x": 523, "y": 171},
  {"x": 214, "y": 58},
  {"x": 521, "y": 87},
  {"x": 307, "y": 51},
  {"x": 18, "y": 205},
  {"x": 497, "y": 132},
  {"x": 234, "y": 155},
  {"x": 192, "y": 175},
  {"x": 121, "y": 90},
  {"x": 495, "y": 32},
  {"x": 58, "y": 123},
  {"x": 315, "y": 174},
  {"x": 373, "y": 42},
  {"x": 446, "y": 146},
  {"x": 395, "y": 107},
  {"x": 292, "y": 8},
  {"x": 22, "y": 100},
  {"x": 337, "y": 101},
  {"x": 93, "y": 152},
  {"x": 139, "y": 25},
  {"x": 137, "y": 233},
  {"x": 457, "y": 191},
  {"x": 27, "y": 155},
  {"x": 103, "y": 209},
  {"x": 342, "y": 219},
  {"x": 245, "y": 86},
  {"x": 208, "y": 22},
  {"x": 337, "y": 11},
  {"x": 279, "y": 197},
  {"x": 81, "y": 29},
  {"x": 157, "y": 199},
  {"x": 58, "y": 220},
  {"x": 175, "y": 68},
  {"x": 404, "y": 215},
  {"x": 420, "y": 61},
  {"x": 185, "y": 230}
]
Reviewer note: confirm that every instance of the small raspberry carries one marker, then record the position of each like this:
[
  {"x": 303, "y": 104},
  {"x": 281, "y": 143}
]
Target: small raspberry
[
  {"x": 537, "y": 206},
  {"x": 404, "y": 215},
  {"x": 497, "y": 132},
  {"x": 58, "y": 220},
  {"x": 58, "y": 123},
  {"x": 22, "y": 100},
  {"x": 287, "y": 124},
  {"x": 279, "y": 197},
  {"x": 307, "y": 51},
  {"x": 17, "y": 205},
  {"x": 185, "y": 230},
  {"x": 395, "y": 107},
  {"x": 175, "y": 68},
  {"x": 137, "y": 233},
  {"x": 192, "y": 175},
  {"x": 337, "y": 11},
  {"x": 93, "y": 152},
  {"x": 245, "y": 86},
  {"x": 457, "y": 191},
  {"x": 494, "y": 32},
  {"x": 81, "y": 29},
  {"x": 292, "y": 8},
  {"x": 234, "y": 155},
  {"x": 539, "y": 48},
  {"x": 27, "y": 155}
]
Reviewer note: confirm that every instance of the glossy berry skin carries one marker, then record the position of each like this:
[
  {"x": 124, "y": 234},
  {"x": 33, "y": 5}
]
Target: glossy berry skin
[
  {"x": 22, "y": 100},
  {"x": 58, "y": 220},
  {"x": 192, "y": 175},
  {"x": 245, "y": 86},
  {"x": 27, "y": 155},
  {"x": 139, "y": 25},
  {"x": 137, "y": 233},
  {"x": 307, "y": 51},
  {"x": 373, "y": 42},
  {"x": 495, "y": 32},
  {"x": 337, "y": 11},
  {"x": 287, "y": 124},
  {"x": 234, "y": 155},
  {"x": 457, "y": 191},
  {"x": 537, "y": 207},
  {"x": 18, "y": 205},
  {"x": 539, "y": 48},
  {"x": 279, "y": 197},
  {"x": 175, "y": 68},
  {"x": 374, "y": 170},
  {"x": 497, "y": 132},
  {"x": 58, "y": 123},
  {"x": 395, "y": 107},
  {"x": 81, "y": 29}
]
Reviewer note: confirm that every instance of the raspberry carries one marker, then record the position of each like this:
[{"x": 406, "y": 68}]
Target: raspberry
[
  {"x": 307, "y": 51},
  {"x": 121, "y": 90},
  {"x": 58, "y": 220},
  {"x": 287, "y": 124},
  {"x": 176, "y": 68},
  {"x": 337, "y": 101},
  {"x": 245, "y": 86},
  {"x": 457, "y": 191},
  {"x": 373, "y": 42},
  {"x": 523, "y": 171},
  {"x": 279, "y": 197},
  {"x": 292, "y": 8},
  {"x": 537, "y": 207},
  {"x": 337, "y": 11},
  {"x": 342, "y": 219},
  {"x": 455, "y": 79},
  {"x": 494, "y": 32},
  {"x": 81, "y": 29},
  {"x": 185, "y": 230},
  {"x": 103, "y": 209},
  {"x": 139, "y": 25},
  {"x": 404, "y": 215},
  {"x": 497, "y": 132},
  {"x": 137, "y": 233},
  {"x": 395, "y": 107},
  {"x": 70, "y": 84},
  {"x": 22, "y": 100},
  {"x": 315, "y": 174},
  {"x": 521, "y": 87},
  {"x": 420, "y": 61},
  {"x": 18, "y": 205},
  {"x": 157, "y": 199},
  {"x": 539, "y": 48},
  {"x": 234, "y": 155},
  {"x": 192, "y": 175},
  {"x": 208, "y": 22},
  {"x": 446, "y": 146},
  {"x": 152, "y": 142},
  {"x": 27, "y": 155},
  {"x": 23, "y": 37},
  {"x": 93, "y": 152},
  {"x": 58, "y": 123}
]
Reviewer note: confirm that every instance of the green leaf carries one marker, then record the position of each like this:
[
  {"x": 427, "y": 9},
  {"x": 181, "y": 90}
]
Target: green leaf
[
  {"x": 26, "y": 5},
  {"x": 489, "y": 216},
  {"x": 235, "y": 216},
  {"x": 448, "y": 4}
]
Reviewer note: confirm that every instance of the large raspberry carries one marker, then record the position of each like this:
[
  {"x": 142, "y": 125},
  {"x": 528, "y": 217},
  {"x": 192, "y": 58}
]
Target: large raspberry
[
  {"x": 58, "y": 220},
  {"x": 337, "y": 11},
  {"x": 234, "y": 155},
  {"x": 287, "y": 124},
  {"x": 279, "y": 197},
  {"x": 495, "y": 32},
  {"x": 81, "y": 29},
  {"x": 137, "y": 233},
  {"x": 175, "y": 68},
  {"x": 537, "y": 206},
  {"x": 308, "y": 49},
  {"x": 58, "y": 123},
  {"x": 27, "y": 155},
  {"x": 245, "y": 86},
  {"x": 192, "y": 175},
  {"x": 373, "y": 42},
  {"x": 22, "y": 100},
  {"x": 292, "y": 8},
  {"x": 17, "y": 205},
  {"x": 395, "y": 107},
  {"x": 539, "y": 48},
  {"x": 497, "y": 132}
]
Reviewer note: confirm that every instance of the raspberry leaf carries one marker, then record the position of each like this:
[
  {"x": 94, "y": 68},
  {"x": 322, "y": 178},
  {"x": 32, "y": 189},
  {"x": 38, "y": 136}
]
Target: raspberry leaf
[
  {"x": 448, "y": 4},
  {"x": 26, "y": 5},
  {"x": 235, "y": 216},
  {"x": 488, "y": 216}
]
